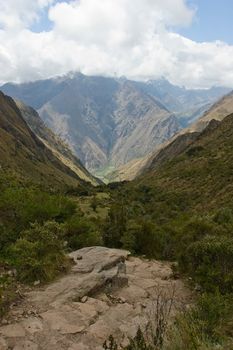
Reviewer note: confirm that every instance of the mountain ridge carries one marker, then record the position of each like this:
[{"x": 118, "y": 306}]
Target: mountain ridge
[
  {"x": 207, "y": 159},
  {"x": 23, "y": 153},
  {"x": 108, "y": 122},
  {"x": 172, "y": 147},
  {"x": 54, "y": 143},
  {"x": 218, "y": 112}
]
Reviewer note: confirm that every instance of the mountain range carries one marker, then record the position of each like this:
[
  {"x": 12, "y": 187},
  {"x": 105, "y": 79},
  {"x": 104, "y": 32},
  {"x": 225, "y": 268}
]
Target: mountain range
[
  {"x": 109, "y": 122},
  {"x": 172, "y": 147},
  {"x": 217, "y": 113}
]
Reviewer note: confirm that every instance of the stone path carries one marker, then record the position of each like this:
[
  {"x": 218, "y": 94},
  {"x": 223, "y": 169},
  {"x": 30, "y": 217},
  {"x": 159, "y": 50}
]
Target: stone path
[{"x": 81, "y": 309}]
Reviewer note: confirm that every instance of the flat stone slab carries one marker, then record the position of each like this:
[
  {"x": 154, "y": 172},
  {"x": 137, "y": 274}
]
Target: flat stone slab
[{"x": 80, "y": 310}]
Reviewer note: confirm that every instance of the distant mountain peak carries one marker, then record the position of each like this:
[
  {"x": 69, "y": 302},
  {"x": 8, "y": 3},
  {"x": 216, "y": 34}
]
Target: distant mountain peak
[{"x": 109, "y": 122}]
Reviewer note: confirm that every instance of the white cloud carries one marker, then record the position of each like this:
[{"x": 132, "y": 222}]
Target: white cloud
[
  {"x": 122, "y": 37},
  {"x": 17, "y": 14}
]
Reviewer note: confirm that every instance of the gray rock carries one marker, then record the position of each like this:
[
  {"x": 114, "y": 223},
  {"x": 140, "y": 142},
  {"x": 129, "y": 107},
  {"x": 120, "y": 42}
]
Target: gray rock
[
  {"x": 84, "y": 299},
  {"x": 13, "y": 331},
  {"x": 75, "y": 313},
  {"x": 36, "y": 283}
]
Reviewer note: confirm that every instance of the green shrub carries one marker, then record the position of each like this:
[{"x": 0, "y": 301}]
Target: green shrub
[
  {"x": 39, "y": 253},
  {"x": 128, "y": 238},
  {"x": 7, "y": 237},
  {"x": 212, "y": 312},
  {"x": 145, "y": 237},
  {"x": 224, "y": 216},
  {"x": 81, "y": 232},
  {"x": 194, "y": 230},
  {"x": 210, "y": 262},
  {"x": 204, "y": 326},
  {"x": 94, "y": 203},
  {"x": 19, "y": 207},
  {"x": 8, "y": 293},
  {"x": 115, "y": 225}
]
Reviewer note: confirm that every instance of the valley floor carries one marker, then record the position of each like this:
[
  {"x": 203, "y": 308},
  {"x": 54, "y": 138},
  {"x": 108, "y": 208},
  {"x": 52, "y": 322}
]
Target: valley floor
[{"x": 97, "y": 298}]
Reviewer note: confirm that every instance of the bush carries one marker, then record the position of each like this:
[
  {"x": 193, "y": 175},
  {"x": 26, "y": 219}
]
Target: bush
[
  {"x": 210, "y": 262},
  {"x": 194, "y": 230},
  {"x": 147, "y": 238},
  {"x": 204, "y": 326},
  {"x": 224, "y": 216},
  {"x": 19, "y": 207},
  {"x": 94, "y": 203},
  {"x": 115, "y": 225},
  {"x": 39, "y": 253},
  {"x": 81, "y": 232},
  {"x": 8, "y": 288}
]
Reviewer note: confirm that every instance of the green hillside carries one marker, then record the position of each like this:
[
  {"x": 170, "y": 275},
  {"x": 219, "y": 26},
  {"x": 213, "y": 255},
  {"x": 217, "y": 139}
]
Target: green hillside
[
  {"x": 24, "y": 154},
  {"x": 202, "y": 172},
  {"x": 186, "y": 200}
]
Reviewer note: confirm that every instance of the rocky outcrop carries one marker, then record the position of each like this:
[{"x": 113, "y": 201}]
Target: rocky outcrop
[{"x": 107, "y": 292}]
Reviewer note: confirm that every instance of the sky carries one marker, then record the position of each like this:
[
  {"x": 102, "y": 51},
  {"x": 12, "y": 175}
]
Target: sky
[
  {"x": 213, "y": 21},
  {"x": 189, "y": 42}
]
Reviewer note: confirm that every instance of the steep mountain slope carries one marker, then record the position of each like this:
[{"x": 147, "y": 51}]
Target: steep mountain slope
[
  {"x": 23, "y": 153},
  {"x": 109, "y": 122},
  {"x": 141, "y": 123},
  {"x": 202, "y": 171},
  {"x": 54, "y": 143},
  {"x": 106, "y": 121},
  {"x": 187, "y": 104},
  {"x": 178, "y": 143},
  {"x": 218, "y": 111}
]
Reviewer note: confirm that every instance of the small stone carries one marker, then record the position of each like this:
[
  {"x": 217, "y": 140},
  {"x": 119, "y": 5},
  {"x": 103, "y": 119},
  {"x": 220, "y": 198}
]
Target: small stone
[
  {"x": 36, "y": 283},
  {"x": 4, "y": 322},
  {"x": 122, "y": 300},
  {"x": 84, "y": 299},
  {"x": 79, "y": 257}
]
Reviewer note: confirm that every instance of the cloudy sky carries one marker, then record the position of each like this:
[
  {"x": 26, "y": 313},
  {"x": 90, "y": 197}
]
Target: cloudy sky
[{"x": 187, "y": 41}]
